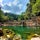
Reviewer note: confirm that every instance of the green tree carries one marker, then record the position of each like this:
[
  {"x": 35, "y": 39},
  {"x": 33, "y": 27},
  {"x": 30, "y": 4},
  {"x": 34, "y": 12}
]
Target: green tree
[{"x": 3, "y": 17}]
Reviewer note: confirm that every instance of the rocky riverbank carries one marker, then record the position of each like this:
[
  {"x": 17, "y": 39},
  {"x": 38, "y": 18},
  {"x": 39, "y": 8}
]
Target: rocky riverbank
[{"x": 34, "y": 21}]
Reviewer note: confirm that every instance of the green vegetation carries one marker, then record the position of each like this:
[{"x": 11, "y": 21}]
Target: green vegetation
[
  {"x": 2, "y": 19},
  {"x": 24, "y": 31},
  {"x": 32, "y": 10},
  {"x": 7, "y": 16}
]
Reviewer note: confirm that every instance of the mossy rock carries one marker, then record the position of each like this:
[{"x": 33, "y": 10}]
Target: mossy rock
[{"x": 31, "y": 36}]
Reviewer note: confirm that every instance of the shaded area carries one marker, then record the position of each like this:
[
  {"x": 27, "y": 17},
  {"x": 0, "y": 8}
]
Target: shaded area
[{"x": 1, "y": 33}]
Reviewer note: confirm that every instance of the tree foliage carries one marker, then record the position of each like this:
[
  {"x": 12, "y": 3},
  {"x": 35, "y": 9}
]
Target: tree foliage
[{"x": 33, "y": 9}]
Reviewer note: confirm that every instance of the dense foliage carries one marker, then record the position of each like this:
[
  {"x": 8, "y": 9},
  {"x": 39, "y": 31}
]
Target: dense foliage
[
  {"x": 7, "y": 16},
  {"x": 33, "y": 9},
  {"x": 3, "y": 17}
]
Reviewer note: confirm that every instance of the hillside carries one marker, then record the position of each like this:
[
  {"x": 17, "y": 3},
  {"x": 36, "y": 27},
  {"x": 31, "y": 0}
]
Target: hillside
[{"x": 13, "y": 16}]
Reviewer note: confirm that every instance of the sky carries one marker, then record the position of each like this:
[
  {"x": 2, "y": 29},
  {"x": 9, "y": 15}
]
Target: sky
[{"x": 13, "y": 6}]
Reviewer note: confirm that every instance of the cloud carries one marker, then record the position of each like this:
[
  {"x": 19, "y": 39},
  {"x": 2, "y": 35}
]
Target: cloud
[
  {"x": 2, "y": 5},
  {"x": 13, "y": 6},
  {"x": 6, "y": 11},
  {"x": 15, "y": 2},
  {"x": 20, "y": 6},
  {"x": 9, "y": 4},
  {"x": 1, "y": 1},
  {"x": 4, "y": 2},
  {"x": 19, "y": 12}
]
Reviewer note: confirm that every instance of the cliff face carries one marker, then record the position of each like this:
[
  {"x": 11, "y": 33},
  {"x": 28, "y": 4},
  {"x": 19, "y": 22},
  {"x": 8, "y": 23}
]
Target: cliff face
[{"x": 34, "y": 21}]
